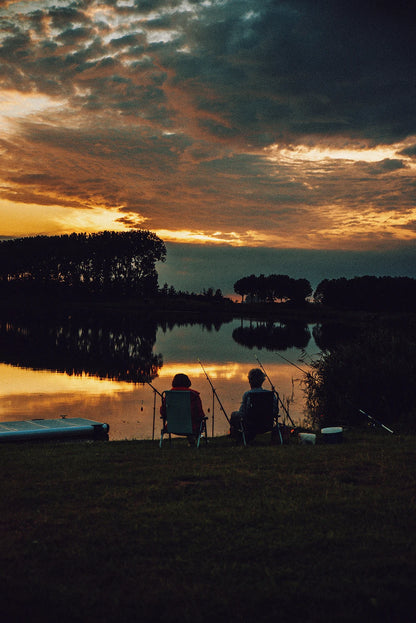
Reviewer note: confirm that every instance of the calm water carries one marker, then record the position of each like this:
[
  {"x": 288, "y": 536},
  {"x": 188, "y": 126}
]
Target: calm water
[{"x": 47, "y": 371}]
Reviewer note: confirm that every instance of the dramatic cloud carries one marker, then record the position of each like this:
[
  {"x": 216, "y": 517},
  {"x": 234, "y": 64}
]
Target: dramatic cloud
[{"x": 285, "y": 124}]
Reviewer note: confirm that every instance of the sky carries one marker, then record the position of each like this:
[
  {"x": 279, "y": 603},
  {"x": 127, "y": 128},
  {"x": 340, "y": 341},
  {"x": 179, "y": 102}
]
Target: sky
[{"x": 259, "y": 136}]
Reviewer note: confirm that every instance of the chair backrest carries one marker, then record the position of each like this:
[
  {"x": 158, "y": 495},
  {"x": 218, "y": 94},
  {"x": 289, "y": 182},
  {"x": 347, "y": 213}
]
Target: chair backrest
[
  {"x": 178, "y": 412},
  {"x": 260, "y": 416}
]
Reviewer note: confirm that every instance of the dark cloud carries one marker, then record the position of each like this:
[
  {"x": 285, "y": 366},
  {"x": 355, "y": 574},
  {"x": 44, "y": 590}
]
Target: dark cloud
[
  {"x": 62, "y": 16},
  {"x": 217, "y": 116},
  {"x": 274, "y": 69},
  {"x": 388, "y": 165},
  {"x": 409, "y": 151}
]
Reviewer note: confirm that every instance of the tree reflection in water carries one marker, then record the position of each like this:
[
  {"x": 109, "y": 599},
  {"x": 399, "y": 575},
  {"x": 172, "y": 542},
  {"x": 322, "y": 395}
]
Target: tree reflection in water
[
  {"x": 273, "y": 336},
  {"x": 108, "y": 347},
  {"x": 120, "y": 349}
]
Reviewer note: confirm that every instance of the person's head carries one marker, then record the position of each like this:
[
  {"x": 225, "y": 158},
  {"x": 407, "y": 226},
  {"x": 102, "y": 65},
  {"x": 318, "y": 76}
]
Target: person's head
[
  {"x": 256, "y": 377},
  {"x": 181, "y": 380}
]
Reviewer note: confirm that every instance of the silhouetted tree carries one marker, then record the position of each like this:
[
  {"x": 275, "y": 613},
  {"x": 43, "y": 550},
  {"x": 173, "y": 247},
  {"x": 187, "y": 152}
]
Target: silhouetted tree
[
  {"x": 279, "y": 287},
  {"x": 246, "y": 286},
  {"x": 368, "y": 293},
  {"x": 299, "y": 290},
  {"x": 107, "y": 262},
  {"x": 218, "y": 295},
  {"x": 273, "y": 287}
]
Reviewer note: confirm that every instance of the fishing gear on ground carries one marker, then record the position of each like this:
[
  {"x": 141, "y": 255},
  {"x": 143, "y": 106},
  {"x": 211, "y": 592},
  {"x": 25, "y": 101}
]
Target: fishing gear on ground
[
  {"x": 371, "y": 419},
  {"x": 375, "y": 422}
]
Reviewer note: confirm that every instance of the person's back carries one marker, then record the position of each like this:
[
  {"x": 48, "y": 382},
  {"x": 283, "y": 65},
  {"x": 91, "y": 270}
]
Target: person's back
[
  {"x": 246, "y": 413},
  {"x": 181, "y": 382}
]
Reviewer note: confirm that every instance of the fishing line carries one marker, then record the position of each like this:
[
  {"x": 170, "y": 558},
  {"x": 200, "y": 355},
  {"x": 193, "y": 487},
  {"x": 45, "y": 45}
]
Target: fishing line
[
  {"x": 275, "y": 391},
  {"x": 214, "y": 392},
  {"x": 293, "y": 364}
]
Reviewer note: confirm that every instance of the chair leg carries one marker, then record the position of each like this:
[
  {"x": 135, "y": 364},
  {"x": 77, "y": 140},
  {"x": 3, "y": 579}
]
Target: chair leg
[
  {"x": 202, "y": 431},
  {"x": 279, "y": 432},
  {"x": 243, "y": 434}
]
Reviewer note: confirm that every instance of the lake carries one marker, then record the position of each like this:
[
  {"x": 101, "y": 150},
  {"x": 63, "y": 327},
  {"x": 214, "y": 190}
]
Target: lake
[{"x": 93, "y": 368}]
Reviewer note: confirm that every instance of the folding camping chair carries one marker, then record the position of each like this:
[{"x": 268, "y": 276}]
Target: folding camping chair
[
  {"x": 178, "y": 419},
  {"x": 260, "y": 417}
]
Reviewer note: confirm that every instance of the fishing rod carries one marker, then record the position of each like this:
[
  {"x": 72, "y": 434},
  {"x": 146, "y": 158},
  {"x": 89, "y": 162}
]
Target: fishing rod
[
  {"x": 275, "y": 391},
  {"x": 293, "y": 364},
  {"x": 155, "y": 391},
  {"x": 376, "y": 422},
  {"x": 214, "y": 392},
  {"x": 370, "y": 417}
]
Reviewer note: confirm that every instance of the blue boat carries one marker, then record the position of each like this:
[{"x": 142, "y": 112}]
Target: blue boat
[{"x": 61, "y": 428}]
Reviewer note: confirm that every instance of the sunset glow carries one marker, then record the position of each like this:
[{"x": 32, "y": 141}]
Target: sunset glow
[
  {"x": 321, "y": 154},
  {"x": 181, "y": 119},
  {"x": 19, "y": 219}
]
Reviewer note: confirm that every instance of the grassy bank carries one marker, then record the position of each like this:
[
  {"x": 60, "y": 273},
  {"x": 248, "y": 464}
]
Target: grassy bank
[{"x": 124, "y": 531}]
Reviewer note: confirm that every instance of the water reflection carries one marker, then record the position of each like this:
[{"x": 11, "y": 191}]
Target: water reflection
[
  {"x": 105, "y": 347},
  {"x": 327, "y": 334},
  {"x": 273, "y": 336},
  {"x": 95, "y": 368}
]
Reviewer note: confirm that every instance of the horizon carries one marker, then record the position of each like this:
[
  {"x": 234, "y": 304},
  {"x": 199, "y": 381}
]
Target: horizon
[{"x": 274, "y": 135}]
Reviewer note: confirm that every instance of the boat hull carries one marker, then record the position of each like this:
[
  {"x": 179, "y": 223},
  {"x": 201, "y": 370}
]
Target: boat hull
[{"x": 61, "y": 428}]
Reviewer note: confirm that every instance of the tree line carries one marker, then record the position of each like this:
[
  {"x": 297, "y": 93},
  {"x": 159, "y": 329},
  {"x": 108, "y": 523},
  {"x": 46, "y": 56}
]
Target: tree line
[
  {"x": 124, "y": 264},
  {"x": 117, "y": 263},
  {"x": 366, "y": 293},
  {"x": 273, "y": 288}
]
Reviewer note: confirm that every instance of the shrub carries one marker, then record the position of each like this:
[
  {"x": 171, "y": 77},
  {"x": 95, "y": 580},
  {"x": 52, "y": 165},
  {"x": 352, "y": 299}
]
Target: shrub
[{"x": 374, "y": 372}]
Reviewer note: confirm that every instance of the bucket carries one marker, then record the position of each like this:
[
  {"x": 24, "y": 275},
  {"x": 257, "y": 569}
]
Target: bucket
[
  {"x": 332, "y": 434},
  {"x": 307, "y": 439}
]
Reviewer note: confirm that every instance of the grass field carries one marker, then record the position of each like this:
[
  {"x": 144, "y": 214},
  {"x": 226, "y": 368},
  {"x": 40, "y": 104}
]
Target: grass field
[{"x": 125, "y": 531}]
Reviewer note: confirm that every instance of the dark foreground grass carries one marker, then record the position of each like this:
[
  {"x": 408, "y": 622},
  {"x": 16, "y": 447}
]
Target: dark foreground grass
[{"x": 124, "y": 531}]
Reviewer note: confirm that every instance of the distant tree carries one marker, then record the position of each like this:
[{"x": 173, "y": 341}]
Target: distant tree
[
  {"x": 299, "y": 290},
  {"x": 246, "y": 286},
  {"x": 218, "y": 295},
  {"x": 107, "y": 262},
  {"x": 164, "y": 290},
  {"x": 368, "y": 293},
  {"x": 279, "y": 287},
  {"x": 273, "y": 287},
  {"x": 262, "y": 288}
]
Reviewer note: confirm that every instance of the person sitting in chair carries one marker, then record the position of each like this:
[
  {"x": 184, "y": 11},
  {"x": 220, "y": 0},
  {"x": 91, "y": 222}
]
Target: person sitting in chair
[
  {"x": 181, "y": 382},
  {"x": 256, "y": 378}
]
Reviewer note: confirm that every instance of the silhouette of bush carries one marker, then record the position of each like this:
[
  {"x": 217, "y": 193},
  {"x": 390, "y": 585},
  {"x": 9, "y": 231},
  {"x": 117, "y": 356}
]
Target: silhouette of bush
[{"x": 373, "y": 372}]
